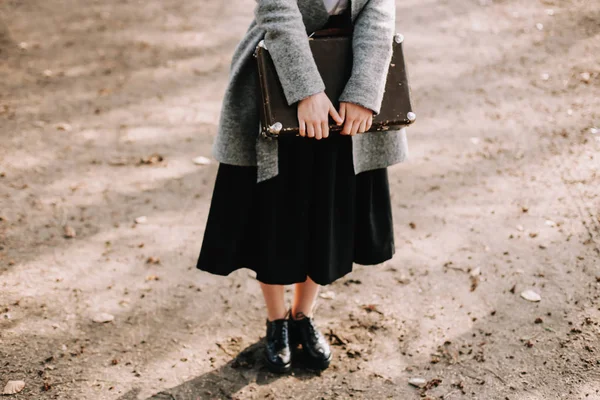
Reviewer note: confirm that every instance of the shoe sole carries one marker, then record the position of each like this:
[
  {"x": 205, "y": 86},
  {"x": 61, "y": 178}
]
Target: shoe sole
[
  {"x": 314, "y": 363},
  {"x": 277, "y": 368},
  {"x": 319, "y": 364}
]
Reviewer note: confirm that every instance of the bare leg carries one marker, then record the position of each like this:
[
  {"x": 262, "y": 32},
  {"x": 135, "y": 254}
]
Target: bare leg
[
  {"x": 305, "y": 294},
  {"x": 274, "y": 300}
]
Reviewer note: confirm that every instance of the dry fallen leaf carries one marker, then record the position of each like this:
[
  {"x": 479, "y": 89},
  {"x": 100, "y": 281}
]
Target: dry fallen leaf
[
  {"x": 152, "y": 159},
  {"x": 474, "y": 276},
  {"x": 474, "y": 282},
  {"x": 152, "y": 278},
  {"x": 118, "y": 161},
  {"x": 13, "y": 387},
  {"x": 371, "y": 308},
  {"x": 63, "y": 126},
  {"x": 153, "y": 260}
]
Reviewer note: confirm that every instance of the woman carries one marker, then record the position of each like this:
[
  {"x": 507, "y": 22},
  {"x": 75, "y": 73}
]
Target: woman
[{"x": 301, "y": 210}]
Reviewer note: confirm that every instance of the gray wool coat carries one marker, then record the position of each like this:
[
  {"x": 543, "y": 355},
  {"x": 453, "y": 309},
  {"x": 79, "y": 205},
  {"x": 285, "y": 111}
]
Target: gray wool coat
[{"x": 285, "y": 25}]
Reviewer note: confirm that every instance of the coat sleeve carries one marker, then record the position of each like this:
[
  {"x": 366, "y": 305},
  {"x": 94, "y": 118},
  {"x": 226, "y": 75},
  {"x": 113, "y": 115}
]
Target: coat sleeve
[
  {"x": 372, "y": 52},
  {"x": 287, "y": 42}
]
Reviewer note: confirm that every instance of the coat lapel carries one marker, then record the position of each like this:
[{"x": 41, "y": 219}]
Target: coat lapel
[
  {"x": 314, "y": 14},
  {"x": 355, "y": 7}
]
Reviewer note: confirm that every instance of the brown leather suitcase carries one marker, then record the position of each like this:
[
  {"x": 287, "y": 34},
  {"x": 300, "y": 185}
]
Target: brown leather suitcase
[{"x": 277, "y": 118}]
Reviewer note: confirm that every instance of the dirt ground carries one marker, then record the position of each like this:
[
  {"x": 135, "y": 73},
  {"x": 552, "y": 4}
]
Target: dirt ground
[{"x": 103, "y": 107}]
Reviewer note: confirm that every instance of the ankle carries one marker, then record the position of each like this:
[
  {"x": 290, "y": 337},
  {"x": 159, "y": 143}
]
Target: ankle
[
  {"x": 275, "y": 317},
  {"x": 298, "y": 314}
]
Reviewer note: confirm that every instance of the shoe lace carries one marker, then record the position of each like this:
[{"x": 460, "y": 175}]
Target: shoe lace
[{"x": 279, "y": 332}]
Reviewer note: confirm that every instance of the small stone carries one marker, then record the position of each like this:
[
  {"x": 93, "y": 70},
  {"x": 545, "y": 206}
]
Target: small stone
[
  {"x": 550, "y": 12},
  {"x": 103, "y": 317},
  {"x": 153, "y": 260},
  {"x": 201, "y": 160},
  {"x": 417, "y": 382},
  {"x": 329, "y": 295},
  {"x": 550, "y": 223},
  {"x": 530, "y": 295},
  {"x": 141, "y": 220},
  {"x": 585, "y": 77},
  {"x": 545, "y": 76},
  {"x": 69, "y": 232},
  {"x": 539, "y": 26}
]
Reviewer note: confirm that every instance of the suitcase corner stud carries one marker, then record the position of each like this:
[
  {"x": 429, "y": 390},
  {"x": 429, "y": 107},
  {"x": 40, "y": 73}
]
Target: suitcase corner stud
[
  {"x": 272, "y": 131},
  {"x": 398, "y": 38},
  {"x": 411, "y": 116},
  {"x": 260, "y": 44},
  {"x": 275, "y": 128}
]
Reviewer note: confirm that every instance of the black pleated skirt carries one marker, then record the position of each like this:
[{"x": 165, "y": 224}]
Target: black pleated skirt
[{"x": 315, "y": 218}]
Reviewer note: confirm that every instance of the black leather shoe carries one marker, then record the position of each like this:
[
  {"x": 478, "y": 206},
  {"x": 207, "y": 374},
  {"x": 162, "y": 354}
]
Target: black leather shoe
[
  {"x": 314, "y": 345},
  {"x": 277, "y": 348}
]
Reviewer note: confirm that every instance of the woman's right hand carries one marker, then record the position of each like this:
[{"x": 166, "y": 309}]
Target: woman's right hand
[{"x": 313, "y": 116}]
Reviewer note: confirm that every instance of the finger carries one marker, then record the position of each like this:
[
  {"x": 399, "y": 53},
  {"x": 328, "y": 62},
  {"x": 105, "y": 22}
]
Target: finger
[
  {"x": 318, "y": 131},
  {"x": 369, "y": 122},
  {"x": 325, "y": 129},
  {"x": 355, "y": 126},
  {"x": 310, "y": 130},
  {"x": 347, "y": 127},
  {"x": 302, "y": 128},
  {"x": 334, "y": 114},
  {"x": 363, "y": 126},
  {"x": 343, "y": 111}
]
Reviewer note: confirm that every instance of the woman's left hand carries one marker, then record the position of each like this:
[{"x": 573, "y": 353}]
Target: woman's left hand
[{"x": 357, "y": 119}]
